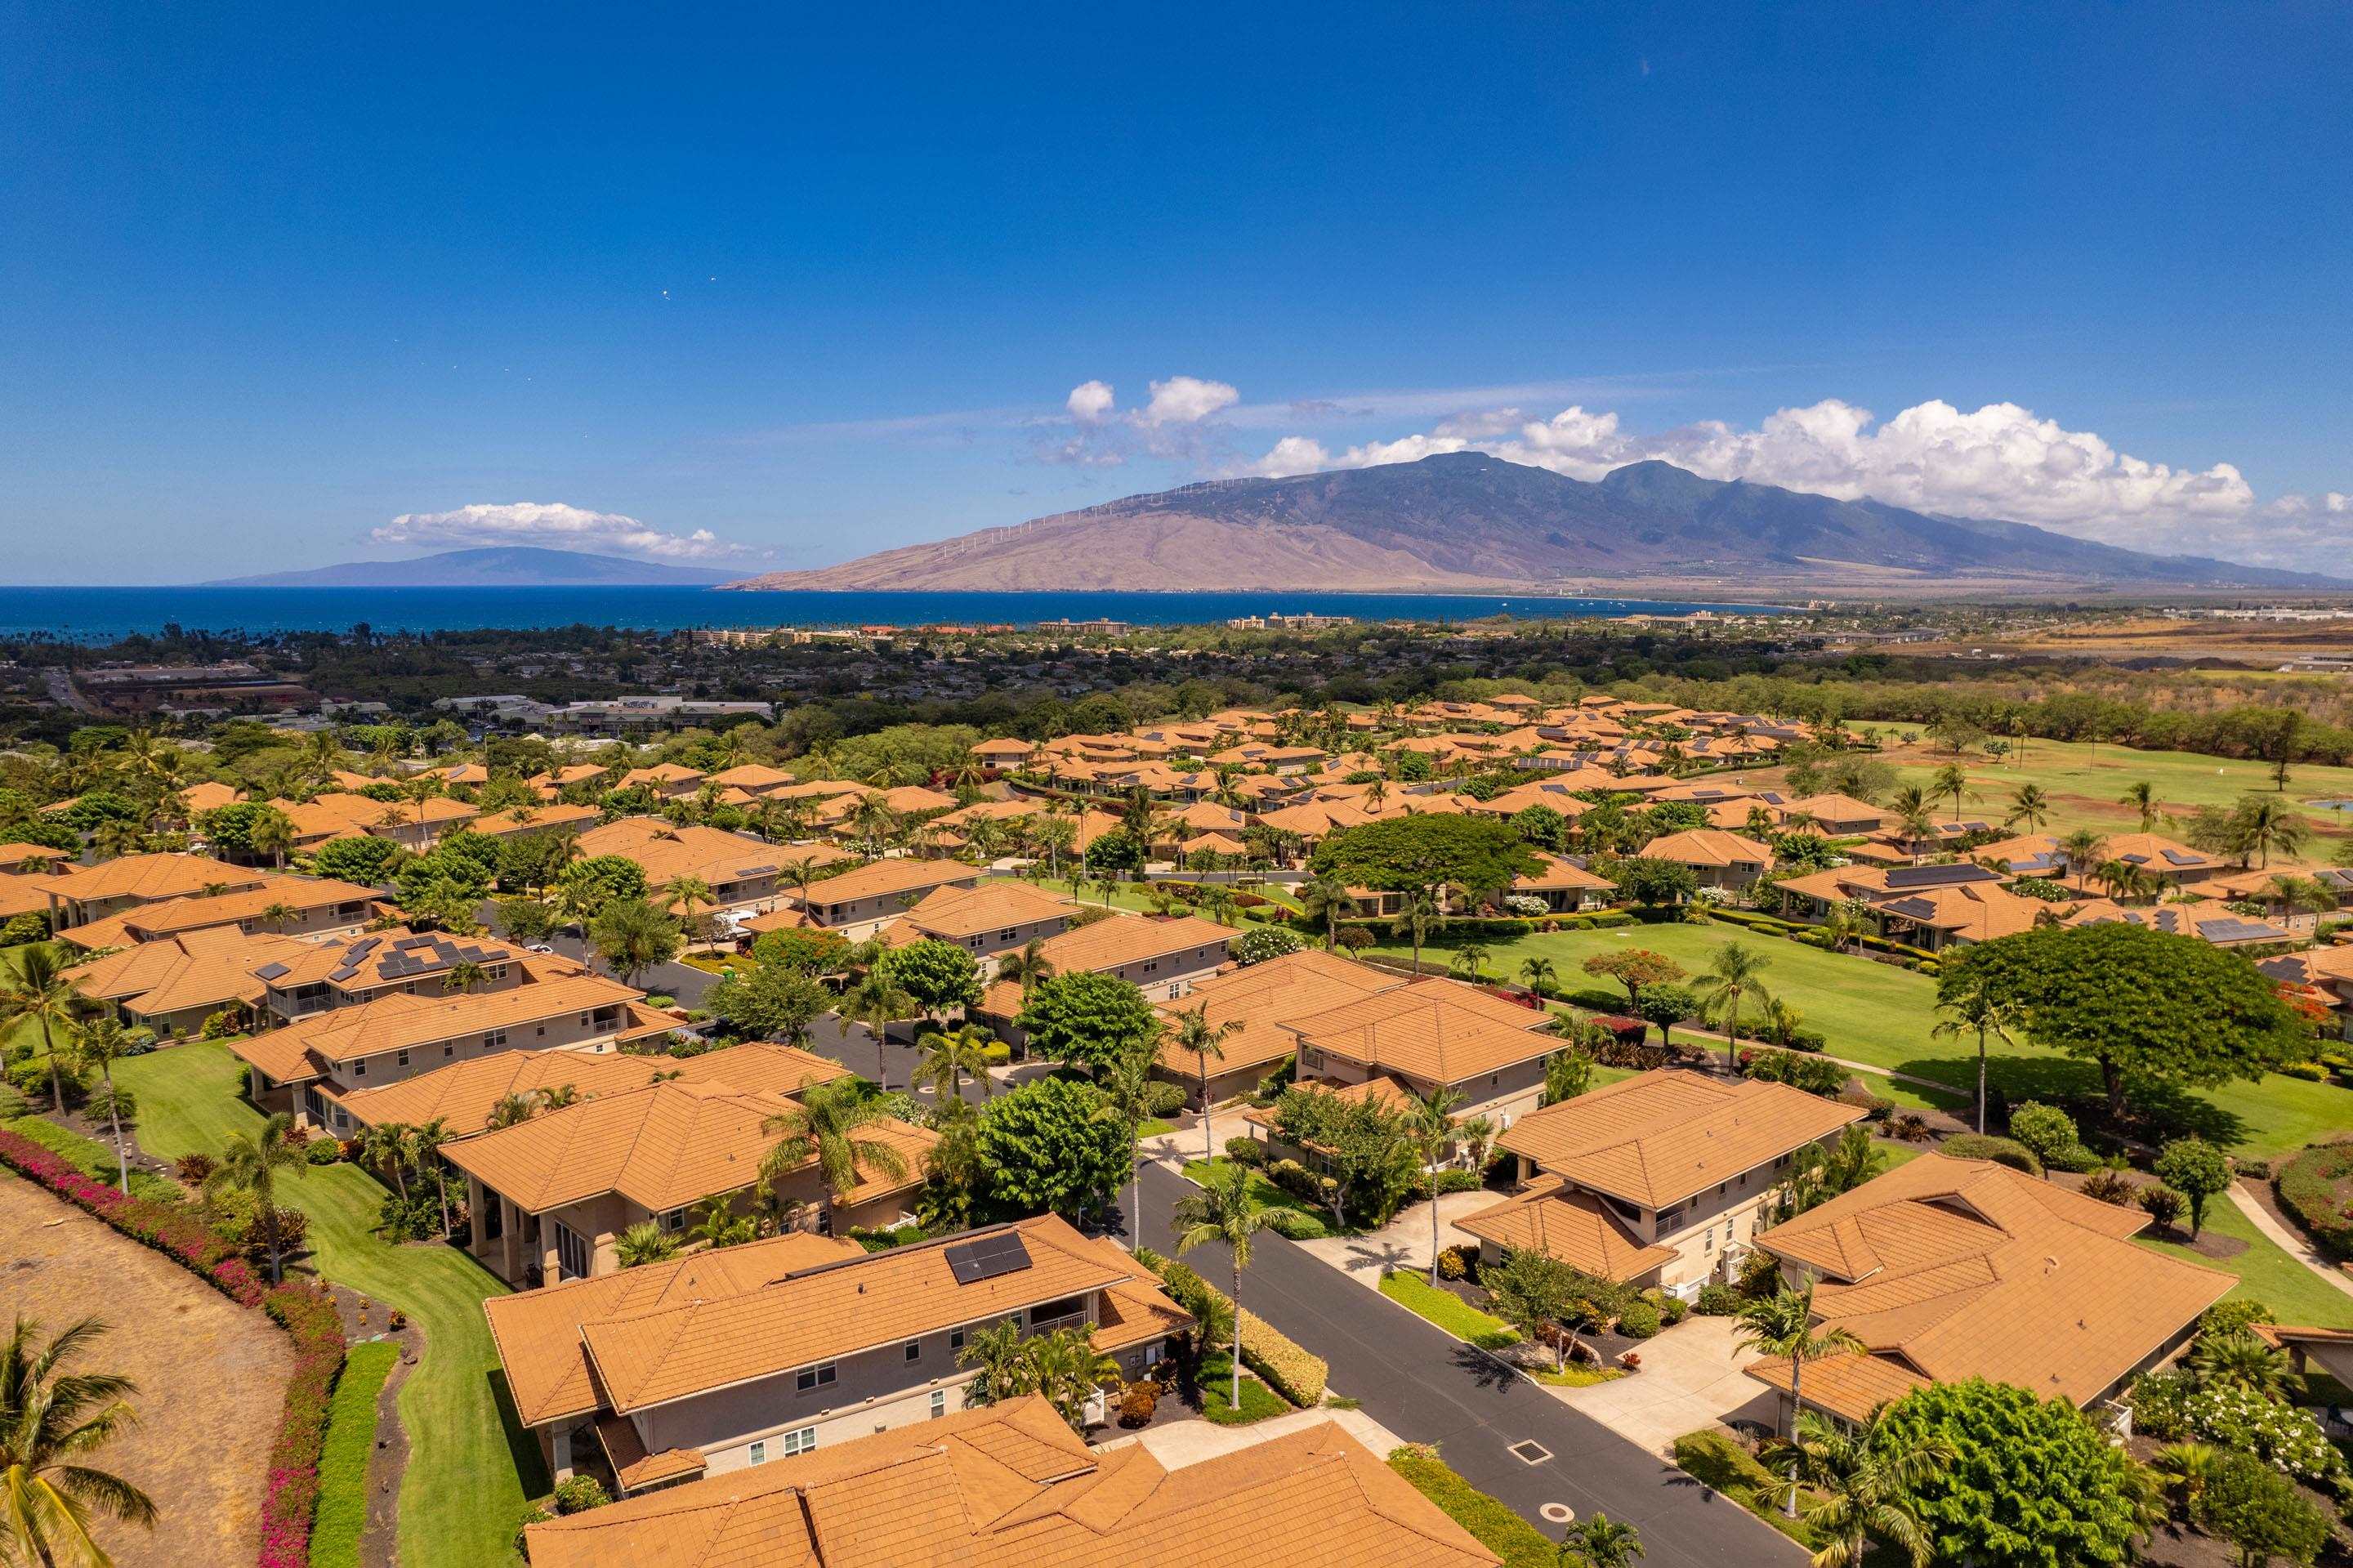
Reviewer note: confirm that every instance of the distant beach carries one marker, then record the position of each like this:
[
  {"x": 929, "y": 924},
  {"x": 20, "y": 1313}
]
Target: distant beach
[{"x": 104, "y": 614}]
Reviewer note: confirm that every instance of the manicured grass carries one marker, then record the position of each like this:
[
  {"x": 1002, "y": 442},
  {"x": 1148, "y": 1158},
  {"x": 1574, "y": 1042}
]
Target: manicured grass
[
  {"x": 1884, "y": 1016},
  {"x": 1711, "y": 1457},
  {"x": 341, "y": 1514},
  {"x": 2266, "y": 1274},
  {"x": 1258, "y": 1402},
  {"x": 470, "y": 1467},
  {"x": 92, "y": 1155},
  {"x": 1576, "y": 1374},
  {"x": 1152, "y": 1127},
  {"x": 1519, "y": 1544},
  {"x": 1448, "y": 1311},
  {"x": 1260, "y": 1188}
]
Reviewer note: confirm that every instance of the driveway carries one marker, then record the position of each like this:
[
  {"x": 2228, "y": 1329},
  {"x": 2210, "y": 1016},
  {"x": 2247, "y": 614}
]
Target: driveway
[
  {"x": 1403, "y": 1243},
  {"x": 1429, "y": 1387},
  {"x": 1690, "y": 1378}
]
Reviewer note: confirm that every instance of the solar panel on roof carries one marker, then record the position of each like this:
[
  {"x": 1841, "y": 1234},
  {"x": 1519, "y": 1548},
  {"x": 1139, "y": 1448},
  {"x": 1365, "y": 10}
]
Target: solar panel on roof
[
  {"x": 364, "y": 946},
  {"x": 2134, "y": 859},
  {"x": 973, "y": 1261},
  {"x": 269, "y": 971},
  {"x": 346, "y": 972},
  {"x": 2178, "y": 858},
  {"x": 2239, "y": 930},
  {"x": 1937, "y": 875},
  {"x": 413, "y": 942}
]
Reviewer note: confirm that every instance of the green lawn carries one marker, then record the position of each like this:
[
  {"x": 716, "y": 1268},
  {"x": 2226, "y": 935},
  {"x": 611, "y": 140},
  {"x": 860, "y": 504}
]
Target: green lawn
[
  {"x": 1511, "y": 1538},
  {"x": 1267, "y": 1194},
  {"x": 1258, "y": 1402},
  {"x": 2266, "y": 1274},
  {"x": 1882, "y": 1016},
  {"x": 1448, "y": 1311},
  {"x": 342, "y": 1468},
  {"x": 470, "y": 1469}
]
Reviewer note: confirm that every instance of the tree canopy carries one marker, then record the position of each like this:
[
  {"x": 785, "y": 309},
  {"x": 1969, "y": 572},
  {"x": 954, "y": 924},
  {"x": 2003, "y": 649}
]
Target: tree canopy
[
  {"x": 1408, "y": 853},
  {"x": 2139, "y": 1004},
  {"x": 1047, "y": 1145},
  {"x": 1088, "y": 1020},
  {"x": 939, "y": 975},
  {"x": 2031, "y": 1484}
]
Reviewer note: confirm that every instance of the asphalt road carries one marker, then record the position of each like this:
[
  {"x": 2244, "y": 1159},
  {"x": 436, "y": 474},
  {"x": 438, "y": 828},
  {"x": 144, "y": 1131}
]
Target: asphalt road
[{"x": 1429, "y": 1387}]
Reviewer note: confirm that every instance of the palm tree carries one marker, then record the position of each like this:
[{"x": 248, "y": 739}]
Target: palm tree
[
  {"x": 2085, "y": 849},
  {"x": 1952, "y": 784},
  {"x": 1430, "y": 1125},
  {"x": 273, "y": 834},
  {"x": 643, "y": 1243},
  {"x": 1539, "y": 974},
  {"x": 632, "y": 936},
  {"x": 510, "y": 1110},
  {"x": 1027, "y": 967},
  {"x": 1978, "y": 1012},
  {"x": 253, "y": 1163},
  {"x": 385, "y": 1147},
  {"x": 2029, "y": 805},
  {"x": 720, "y": 1226},
  {"x": 1600, "y": 1543},
  {"x": 947, "y": 1056},
  {"x": 1193, "y": 1032},
  {"x": 41, "y": 995},
  {"x": 2142, "y": 798},
  {"x": 1865, "y": 1480},
  {"x": 1466, "y": 962},
  {"x": 464, "y": 976},
  {"x": 99, "y": 1044},
  {"x": 424, "y": 1141},
  {"x": 51, "y": 1421},
  {"x": 1414, "y": 918},
  {"x": 1782, "y": 1324},
  {"x": 1224, "y": 1211},
  {"x": 873, "y": 821},
  {"x": 2240, "y": 1361},
  {"x": 831, "y": 1124},
  {"x": 2262, "y": 824},
  {"x": 877, "y": 1000},
  {"x": 1731, "y": 979},
  {"x": 686, "y": 895},
  {"x": 2127, "y": 881},
  {"x": 1325, "y": 897},
  {"x": 1126, "y": 1086}
]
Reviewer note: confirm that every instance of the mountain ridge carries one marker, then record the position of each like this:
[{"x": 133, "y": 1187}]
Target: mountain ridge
[
  {"x": 1470, "y": 522},
  {"x": 489, "y": 566}
]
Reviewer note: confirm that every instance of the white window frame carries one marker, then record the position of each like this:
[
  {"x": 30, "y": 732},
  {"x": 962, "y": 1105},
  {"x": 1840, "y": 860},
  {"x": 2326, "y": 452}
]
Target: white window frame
[
  {"x": 799, "y": 1440},
  {"x": 810, "y": 1379}
]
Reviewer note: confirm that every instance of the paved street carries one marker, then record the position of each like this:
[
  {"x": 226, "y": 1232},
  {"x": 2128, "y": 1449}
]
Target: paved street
[{"x": 1429, "y": 1387}]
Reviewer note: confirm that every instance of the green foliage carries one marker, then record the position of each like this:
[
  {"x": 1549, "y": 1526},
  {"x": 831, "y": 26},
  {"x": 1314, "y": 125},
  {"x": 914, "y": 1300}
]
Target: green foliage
[
  {"x": 632, "y": 936},
  {"x": 1046, "y": 1146},
  {"x": 1369, "y": 1161},
  {"x": 2031, "y": 1483},
  {"x": 2198, "y": 1170},
  {"x": 1088, "y": 1020},
  {"x": 1260, "y": 943},
  {"x": 344, "y": 1462},
  {"x": 809, "y": 952},
  {"x": 2254, "y": 1508},
  {"x": 1502, "y": 1531},
  {"x": 2000, "y": 1150},
  {"x": 940, "y": 976},
  {"x": 1412, "y": 853},
  {"x": 2049, "y": 1131},
  {"x": 1657, "y": 882},
  {"x": 586, "y": 886},
  {"x": 1258, "y": 1402},
  {"x": 772, "y": 1002},
  {"x": 2313, "y": 1187},
  {"x": 1450, "y": 1312}
]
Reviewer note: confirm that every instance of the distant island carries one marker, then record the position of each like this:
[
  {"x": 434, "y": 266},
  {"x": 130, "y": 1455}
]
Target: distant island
[
  {"x": 1467, "y": 523},
  {"x": 498, "y": 565}
]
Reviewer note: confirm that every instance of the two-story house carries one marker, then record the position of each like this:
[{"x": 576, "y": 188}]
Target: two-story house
[
  {"x": 1663, "y": 1179},
  {"x": 1163, "y": 956},
  {"x": 173, "y": 985},
  {"x": 742, "y": 874},
  {"x": 1421, "y": 1036},
  {"x": 280, "y": 906},
  {"x": 1255, "y": 1001},
  {"x": 864, "y": 899},
  {"x": 556, "y": 1193},
  {"x": 724, "y": 1361},
  {"x": 985, "y": 921},
  {"x": 1733, "y": 862},
  {"x": 78, "y": 895}
]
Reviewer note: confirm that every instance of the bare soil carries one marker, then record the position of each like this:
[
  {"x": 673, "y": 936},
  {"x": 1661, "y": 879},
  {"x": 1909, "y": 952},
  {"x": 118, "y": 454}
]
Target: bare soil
[{"x": 211, "y": 1375}]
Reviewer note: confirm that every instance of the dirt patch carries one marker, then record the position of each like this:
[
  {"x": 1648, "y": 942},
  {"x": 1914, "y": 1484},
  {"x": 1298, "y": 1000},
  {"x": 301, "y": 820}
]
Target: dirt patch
[{"x": 211, "y": 1375}]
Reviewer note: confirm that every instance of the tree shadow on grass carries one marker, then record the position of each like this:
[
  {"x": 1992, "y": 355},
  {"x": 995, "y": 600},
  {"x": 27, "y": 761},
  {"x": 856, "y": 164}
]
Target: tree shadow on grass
[
  {"x": 2154, "y": 1112},
  {"x": 531, "y": 1465}
]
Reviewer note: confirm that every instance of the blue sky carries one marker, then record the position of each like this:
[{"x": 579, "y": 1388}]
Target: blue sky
[{"x": 815, "y": 284}]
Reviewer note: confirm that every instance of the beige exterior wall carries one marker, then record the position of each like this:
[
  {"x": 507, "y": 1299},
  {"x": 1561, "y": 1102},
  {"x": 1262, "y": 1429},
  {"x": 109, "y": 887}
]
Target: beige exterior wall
[
  {"x": 592, "y": 1031},
  {"x": 1007, "y": 939},
  {"x": 1172, "y": 975}
]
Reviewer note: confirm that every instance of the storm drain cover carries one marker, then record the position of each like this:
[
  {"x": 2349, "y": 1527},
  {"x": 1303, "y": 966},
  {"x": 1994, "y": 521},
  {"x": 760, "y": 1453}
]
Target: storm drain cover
[
  {"x": 1531, "y": 1452},
  {"x": 1557, "y": 1513}
]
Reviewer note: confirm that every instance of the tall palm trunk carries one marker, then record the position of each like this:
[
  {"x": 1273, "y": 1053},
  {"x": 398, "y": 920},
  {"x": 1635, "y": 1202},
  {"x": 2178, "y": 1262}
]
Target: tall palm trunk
[
  {"x": 1797, "y": 1408},
  {"x": 1433, "y": 1229},
  {"x": 114, "y": 1125},
  {"x": 1982, "y": 1081},
  {"x": 1235, "y": 1395},
  {"x": 1208, "y": 1139},
  {"x": 57, "y": 1080}
]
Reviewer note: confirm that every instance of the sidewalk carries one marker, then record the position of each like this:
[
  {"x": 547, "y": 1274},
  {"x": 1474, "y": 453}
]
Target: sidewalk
[
  {"x": 2288, "y": 1240},
  {"x": 1184, "y": 1442}
]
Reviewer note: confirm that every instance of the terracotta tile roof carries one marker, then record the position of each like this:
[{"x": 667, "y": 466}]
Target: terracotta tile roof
[
  {"x": 661, "y": 773},
  {"x": 633, "y": 1467},
  {"x": 1974, "y": 913},
  {"x": 2207, "y": 919},
  {"x": 1258, "y": 997},
  {"x": 835, "y": 1310},
  {"x": 1108, "y": 943},
  {"x": 1572, "y": 1226},
  {"x": 1010, "y": 1484},
  {"x": 548, "y": 816},
  {"x": 165, "y": 917},
  {"x": 206, "y": 968},
  {"x": 1437, "y": 1031},
  {"x": 18, "y": 856},
  {"x": 1555, "y": 872},
  {"x": 538, "y": 1331},
  {"x": 1660, "y": 1137},
  {"x": 908, "y": 799},
  {"x": 403, "y": 1020},
  {"x": 1835, "y": 808},
  {"x": 956, "y": 913},
  {"x": 377, "y": 958},
  {"x": 463, "y": 1094},
  {"x": 662, "y": 1147},
  {"x": 1956, "y": 1268},
  {"x": 335, "y": 815},
  {"x": 1711, "y": 847},
  {"x": 667, "y": 851},
  {"x": 756, "y": 777},
  {"x": 1002, "y": 747},
  {"x": 148, "y": 877},
  {"x": 881, "y": 878},
  {"x": 2165, "y": 857},
  {"x": 208, "y": 796}
]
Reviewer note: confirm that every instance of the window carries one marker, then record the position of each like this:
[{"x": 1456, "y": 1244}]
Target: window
[
  {"x": 955, "y": 1340},
  {"x": 401, "y": 1059},
  {"x": 939, "y": 1403},
  {"x": 571, "y": 1253},
  {"x": 493, "y": 1038},
  {"x": 359, "y": 1067},
  {"x": 913, "y": 1350},
  {"x": 815, "y": 1377},
  {"x": 759, "y": 1455},
  {"x": 674, "y": 1221},
  {"x": 450, "y": 1050},
  {"x": 801, "y": 1441}
]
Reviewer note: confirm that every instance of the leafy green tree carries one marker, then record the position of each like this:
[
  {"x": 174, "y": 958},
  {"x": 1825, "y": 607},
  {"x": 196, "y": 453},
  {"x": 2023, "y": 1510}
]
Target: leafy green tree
[
  {"x": 2031, "y": 1483},
  {"x": 1424, "y": 852},
  {"x": 1666, "y": 1006},
  {"x": 1657, "y": 882},
  {"x": 770, "y": 1002},
  {"x": 2140, "y": 1004},
  {"x": 807, "y": 951},
  {"x": 586, "y": 886},
  {"x": 2049, "y": 1131},
  {"x": 1087, "y": 1019},
  {"x": 1365, "y": 1150},
  {"x": 939, "y": 976},
  {"x": 1541, "y": 826},
  {"x": 632, "y": 936},
  {"x": 1225, "y": 1213},
  {"x": 1534, "y": 1293},
  {"x": 2198, "y": 1170},
  {"x": 52, "y": 1422},
  {"x": 1047, "y": 1145},
  {"x": 2256, "y": 1509},
  {"x": 1634, "y": 967},
  {"x": 528, "y": 919},
  {"x": 1568, "y": 1073}
]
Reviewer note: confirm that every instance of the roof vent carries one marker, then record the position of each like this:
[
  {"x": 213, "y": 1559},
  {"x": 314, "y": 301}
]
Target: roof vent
[{"x": 2050, "y": 1266}]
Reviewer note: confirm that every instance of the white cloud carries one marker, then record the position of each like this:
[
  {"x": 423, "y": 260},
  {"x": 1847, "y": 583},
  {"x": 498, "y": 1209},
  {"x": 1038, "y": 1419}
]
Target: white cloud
[
  {"x": 1292, "y": 454},
  {"x": 1090, "y": 402},
  {"x": 553, "y": 525},
  {"x": 1186, "y": 400}
]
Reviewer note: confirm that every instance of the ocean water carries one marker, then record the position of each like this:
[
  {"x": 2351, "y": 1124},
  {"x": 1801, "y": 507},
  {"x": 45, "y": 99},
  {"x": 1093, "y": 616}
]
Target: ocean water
[{"x": 103, "y": 614}]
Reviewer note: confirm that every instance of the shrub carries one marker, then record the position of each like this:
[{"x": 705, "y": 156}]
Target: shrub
[
  {"x": 1718, "y": 1301},
  {"x": 308, "y": 1316},
  {"x": 2233, "y": 1317},
  {"x": 2111, "y": 1187},
  {"x": 322, "y": 1151},
  {"x": 1672, "y": 1311},
  {"x": 1164, "y": 1099},
  {"x": 1639, "y": 1321},
  {"x": 1458, "y": 1262},
  {"x": 1457, "y": 1181},
  {"x": 194, "y": 1168},
  {"x": 1287, "y": 1368},
  {"x": 2306, "y": 1186},
  {"x": 580, "y": 1494},
  {"x": 2046, "y": 1130},
  {"x": 1296, "y": 1225},
  {"x": 2000, "y": 1150},
  {"x": 1263, "y": 942},
  {"x": 1246, "y": 1150},
  {"x": 2254, "y": 1508},
  {"x": 996, "y": 1053},
  {"x": 2170, "y": 1405},
  {"x": 1137, "y": 1402},
  {"x": 2163, "y": 1205}
]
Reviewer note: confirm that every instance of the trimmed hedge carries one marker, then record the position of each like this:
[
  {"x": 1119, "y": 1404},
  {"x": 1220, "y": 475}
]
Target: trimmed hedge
[
  {"x": 2000, "y": 1150},
  {"x": 1519, "y": 1544},
  {"x": 2306, "y": 1186},
  {"x": 1287, "y": 1368}
]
